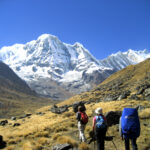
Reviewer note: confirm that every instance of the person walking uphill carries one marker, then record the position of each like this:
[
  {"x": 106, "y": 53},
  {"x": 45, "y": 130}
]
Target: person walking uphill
[
  {"x": 100, "y": 128},
  {"x": 129, "y": 127},
  {"x": 82, "y": 119}
]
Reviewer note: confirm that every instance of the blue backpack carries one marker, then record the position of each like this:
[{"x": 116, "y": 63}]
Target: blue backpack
[
  {"x": 130, "y": 124},
  {"x": 100, "y": 123}
]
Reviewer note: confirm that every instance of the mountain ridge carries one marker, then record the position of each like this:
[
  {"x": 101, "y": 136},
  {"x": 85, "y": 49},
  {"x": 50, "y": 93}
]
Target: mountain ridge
[
  {"x": 130, "y": 83},
  {"x": 16, "y": 97},
  {"x": 72, "y": 67}
]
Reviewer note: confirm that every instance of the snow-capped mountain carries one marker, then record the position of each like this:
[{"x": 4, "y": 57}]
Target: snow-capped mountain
[
  {"x": 122, "y": 59},
  {"x": 59, "y": 70}
]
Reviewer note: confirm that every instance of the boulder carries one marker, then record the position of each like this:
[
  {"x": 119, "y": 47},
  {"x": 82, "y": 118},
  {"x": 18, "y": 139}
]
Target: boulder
[
  {"x": 2, "y": 143},
  {"x": 3, "y": 122},
  {"x": 141, "y": 88},
  {"x": 65, "y": 146},
  {"x": 113, "y": 117},
  {"x": 77, "y": 104},
  {"x": 147, "y": 92},
  {"x": 111, "y": 98},
  {"x": 147, "y": 98},
  {"x": 40, "y": 113},
  {"x": 25, "y": 116},
  {"x": 16, "y": 124},
  {"x": 28, "y": 115},
  {"x": 124, "y": 95},
  {"x": 59, "y": 110},
  {"x": 134, "y": 96},
  {"x": 13, "y": 118},
  {"x": 140, "y": 108}
]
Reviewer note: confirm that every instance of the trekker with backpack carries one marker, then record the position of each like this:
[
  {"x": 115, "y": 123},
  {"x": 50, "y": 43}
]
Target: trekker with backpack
[
  {"x": 129, "y": 127},
  {"x": 100, "y": 128},
  {"x": 82, "y": 119}
]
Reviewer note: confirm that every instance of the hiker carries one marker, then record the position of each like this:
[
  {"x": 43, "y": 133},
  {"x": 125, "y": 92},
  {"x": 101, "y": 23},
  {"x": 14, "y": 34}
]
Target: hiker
[
  {"x": 129, "y": 127},
  {"x": 82, "y": 119},
  {"x": 3, "y": 144},
  {"x": 100, "y": 128}
]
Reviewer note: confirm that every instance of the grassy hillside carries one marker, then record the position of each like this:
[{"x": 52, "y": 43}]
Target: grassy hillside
[
  {"x": 130, "y": 81},
  {"x": 42, "y": 132},
  {"x": 13, "y": 103},
  {"x": 16, "y": 97}
]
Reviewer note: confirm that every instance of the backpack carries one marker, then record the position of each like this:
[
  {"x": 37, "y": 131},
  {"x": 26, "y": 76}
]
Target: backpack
[
  {"x": 100, "y": 123},
  {"x": 130, "y": 124},
  {"x": 77, "y": 104},
  {"x": 84, "y": 118}
]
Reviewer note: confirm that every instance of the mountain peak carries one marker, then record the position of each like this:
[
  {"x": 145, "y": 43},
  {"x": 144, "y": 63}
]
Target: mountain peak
[
  {"x": 45, "y": 36},
  {"x": 77, "y": 44},
  {"x": 72, "y": 67}
]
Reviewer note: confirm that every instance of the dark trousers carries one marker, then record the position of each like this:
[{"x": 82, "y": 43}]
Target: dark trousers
[
  {"x": 100, "y": 138},
  {"x": 133, "y": 142}
]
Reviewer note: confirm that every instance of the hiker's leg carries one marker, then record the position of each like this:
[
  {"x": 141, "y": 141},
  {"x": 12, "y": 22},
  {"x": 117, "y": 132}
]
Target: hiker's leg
[
  {"x": 97, "y": 136},
  {"x": 81, "y": 132},
  {"x": 127, "y": 146},
  {"x": 98, "y": 145},
  {"x": 79, "y": 128},
  {"x": 100, "y": 140},
  {"x": 102, "y": 144},
  {"x": 134, "y": 145}
]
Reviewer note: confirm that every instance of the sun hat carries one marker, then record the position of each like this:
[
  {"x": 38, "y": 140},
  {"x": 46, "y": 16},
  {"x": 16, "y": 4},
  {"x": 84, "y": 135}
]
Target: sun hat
[{"x": 98, "y": 111}]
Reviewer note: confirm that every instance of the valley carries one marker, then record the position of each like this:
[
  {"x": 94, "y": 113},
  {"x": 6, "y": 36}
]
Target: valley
[
  {"x": 62, "y": 58},
  {"x": 44, "y": 129}
]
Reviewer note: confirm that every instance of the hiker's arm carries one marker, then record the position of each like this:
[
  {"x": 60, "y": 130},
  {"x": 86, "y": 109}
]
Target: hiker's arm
[
  {"x": 78, "y": 116},
  {"x": 94, "y": 122},
  {"x": 120, "y": 131}
]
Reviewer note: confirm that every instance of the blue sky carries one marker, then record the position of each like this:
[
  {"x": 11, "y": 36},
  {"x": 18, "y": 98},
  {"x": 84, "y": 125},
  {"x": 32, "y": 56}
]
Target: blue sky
[{"x": 102, "y": 26}]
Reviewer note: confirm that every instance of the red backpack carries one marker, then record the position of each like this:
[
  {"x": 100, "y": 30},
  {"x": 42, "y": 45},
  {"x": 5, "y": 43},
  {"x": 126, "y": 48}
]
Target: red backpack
[{"x": 84, "y": 118}]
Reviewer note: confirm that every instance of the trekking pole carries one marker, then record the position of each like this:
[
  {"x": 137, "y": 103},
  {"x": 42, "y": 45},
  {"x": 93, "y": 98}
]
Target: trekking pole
[
  {"x": 112, "y": 142},
  {"x": 94, "y": 138},
  {"x": 94, "y": 145}
]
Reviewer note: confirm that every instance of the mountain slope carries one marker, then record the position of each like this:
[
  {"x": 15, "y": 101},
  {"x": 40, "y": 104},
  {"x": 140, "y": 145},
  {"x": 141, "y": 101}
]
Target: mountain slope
[
  {"x": 9, "y": 80},
  {"x": 132, "y": 82},
  {"x": 45, "y": 131},
  {"x": 16, "y": 97},
  {"x": 49, "y": 65},
  {"x": 71, "y": 67},
  {"x": 121, "y": 60},
  {"x": 49, "y": 129}
]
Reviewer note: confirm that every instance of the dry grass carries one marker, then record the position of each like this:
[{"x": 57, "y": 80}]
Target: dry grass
[
  {"x": 84, "y": 146},
  {"x": 56, "y": 136},
  {"x": 18, "y": 104},
  {"x": 38, "y": 132},
  {"x": 27, "y": 146},
  {"x": 67, "y": 139},
  {"x": 42, "y": 134},
  {"x": 145, "y": 114},
  {"x": 43, "y": 141},
  {"x": 11, "y": 147}
]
